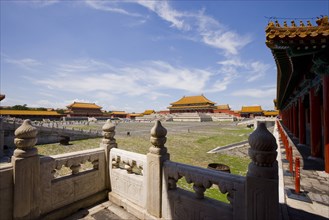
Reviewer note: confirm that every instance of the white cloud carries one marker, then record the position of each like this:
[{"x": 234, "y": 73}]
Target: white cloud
[
  {"x": 40, "y": 3},
  {"x": 257, "y": 70},
  {"x": 230, "y": 42},
  {"x": 256, "y": 93},
  {"x": 109, "y": 6},
  {"x": 26, "y": 63},
  {"x": 251, "y": 70},
  {"x": 100, "y": 79},
  {"x": 167, "y": 13},
  {"x": 202, "y": 27}
]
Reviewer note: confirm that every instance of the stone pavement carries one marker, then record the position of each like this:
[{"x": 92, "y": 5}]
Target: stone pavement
[
  {"x": 313, "y": 200},
  {"x": 104, "y": 211}
]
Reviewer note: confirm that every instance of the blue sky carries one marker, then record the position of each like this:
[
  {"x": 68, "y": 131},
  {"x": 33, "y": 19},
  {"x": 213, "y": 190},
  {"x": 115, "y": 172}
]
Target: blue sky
[{"x": 134, "y": 55}]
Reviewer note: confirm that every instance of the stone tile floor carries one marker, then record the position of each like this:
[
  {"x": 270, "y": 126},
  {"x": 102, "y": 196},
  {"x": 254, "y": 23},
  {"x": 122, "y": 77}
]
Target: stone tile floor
[
  {"x": 104, "y": 211},
  {"x": 314, "y": 186}
]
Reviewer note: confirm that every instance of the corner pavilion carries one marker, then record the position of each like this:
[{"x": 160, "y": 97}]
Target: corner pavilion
[
  {"x": 82, "y": 109},
  {"x": 192, "y": 104},
  {"x": 301, "y": 53}
]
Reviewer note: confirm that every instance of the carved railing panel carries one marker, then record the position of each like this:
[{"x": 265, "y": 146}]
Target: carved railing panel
[
  {"x": 77, "y": 162},
  {"x": 128, "y": 175},
  {"x": 67, "y": 178},
  {"x": 203, "y": 179}
]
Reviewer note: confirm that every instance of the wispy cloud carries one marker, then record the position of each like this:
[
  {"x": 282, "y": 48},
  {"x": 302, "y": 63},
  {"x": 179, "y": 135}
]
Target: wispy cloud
[
  {"x": 110, "y": 6},
  {"x": 148, "y": 77},
  {"x": 39, "y": 3},
  {"x": 209, "y": 30},
  {"x": 256, "y": 93},
  {"x": 197, "y": 24},
  {"x": 250, "y": 70},
  {"x": 167, "y": 13},
  {"x": 27, "y": 63}
]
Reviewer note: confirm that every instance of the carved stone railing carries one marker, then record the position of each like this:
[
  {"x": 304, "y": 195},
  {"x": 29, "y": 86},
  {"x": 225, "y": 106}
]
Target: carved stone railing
[
  {"x": 201, "y": 207},
  {"x": 203, "y": 179},
  {"x": 64, "y": 180},
  {"x": 128, "y": 175},
  {"x": 129, "y": 161},
  {"x": 74, "y": 161}
]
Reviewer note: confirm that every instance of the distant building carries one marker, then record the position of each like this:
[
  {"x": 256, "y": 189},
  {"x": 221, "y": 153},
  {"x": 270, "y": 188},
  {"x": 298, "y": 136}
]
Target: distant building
[
  {"x": 192, "y": 104},
  {"x": 148, "y": 112},
  {"x": 163, "y": 112},
  {"x": 251, "y": 111},
  {"x": 81, "y": 109},
  {"x": 30, "y": 114},
  {"x": 272, "y": 113},
  {"x": 119, "y": 114}
]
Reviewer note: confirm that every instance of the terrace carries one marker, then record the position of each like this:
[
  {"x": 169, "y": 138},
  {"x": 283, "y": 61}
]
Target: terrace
[{"x": 145, "y": 186}]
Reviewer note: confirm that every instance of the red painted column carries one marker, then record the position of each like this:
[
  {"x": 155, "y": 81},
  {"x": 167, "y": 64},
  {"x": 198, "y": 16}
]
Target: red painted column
[
  {"x": 296, "y": 120},
  {"x": 315, "y": 118},
  {"x": 295, "y": 124},
  {"x": 325, "y": 89},
  {"x": 302, "y": 124},
  {"x": 290, "y": 119}
]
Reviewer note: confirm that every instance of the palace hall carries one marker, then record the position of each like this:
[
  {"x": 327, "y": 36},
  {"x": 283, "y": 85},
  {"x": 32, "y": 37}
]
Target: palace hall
[
  {"x": 82, "y": 109},
  {"x": 192, "y": 104},
  {"x": 301, "y": 53}
]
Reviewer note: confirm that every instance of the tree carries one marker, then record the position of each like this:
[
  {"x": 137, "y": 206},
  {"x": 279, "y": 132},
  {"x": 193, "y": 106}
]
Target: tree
[{"x": 20, "y": 107}]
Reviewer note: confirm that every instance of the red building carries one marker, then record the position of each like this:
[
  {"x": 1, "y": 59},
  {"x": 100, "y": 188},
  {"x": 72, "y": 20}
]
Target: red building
[{"x": 301, "y": 53}]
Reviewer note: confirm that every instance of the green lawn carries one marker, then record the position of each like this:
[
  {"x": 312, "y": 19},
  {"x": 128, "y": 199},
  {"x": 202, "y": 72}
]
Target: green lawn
[{"x": 186, "y": 143}]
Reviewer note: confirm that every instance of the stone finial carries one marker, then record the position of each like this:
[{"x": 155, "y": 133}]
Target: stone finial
[
  {"x": 108, "y": 134},
  {"x": 25, "y": 139},
  {"x": 158, "y": 138},
  {"x": 263, "y": 146}
]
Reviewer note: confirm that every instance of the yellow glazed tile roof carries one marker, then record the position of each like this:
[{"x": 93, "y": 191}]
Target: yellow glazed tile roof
[
  {"x": 296, "y": 33},
  {"x": 251, "y": 109},
  {"x": 192, "y": 106},
  {"x": 84, "y": 105},
  {"x": 148, "y": 112},
  {"x": 223, "y": 107},
  {"x": 271, "y": 113},
  {"x": 29, "y": 112},
  {"x": 192, "y": 100},
  {"x": 119, "y": 113}
]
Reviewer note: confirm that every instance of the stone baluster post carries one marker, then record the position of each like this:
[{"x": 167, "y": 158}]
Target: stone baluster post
[
  {"x": 262, "y": 196},
  {"x": 155, "y": 158},
  {"x": 26, "y": 173},
  {"x": 108, "y": 142}
]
